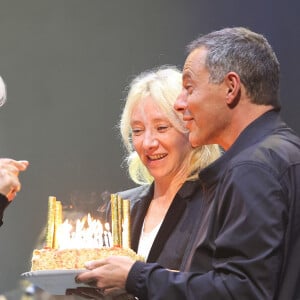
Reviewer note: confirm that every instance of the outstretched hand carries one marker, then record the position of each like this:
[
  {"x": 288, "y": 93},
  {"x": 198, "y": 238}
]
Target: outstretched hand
[{"x": 9, "y": 176}]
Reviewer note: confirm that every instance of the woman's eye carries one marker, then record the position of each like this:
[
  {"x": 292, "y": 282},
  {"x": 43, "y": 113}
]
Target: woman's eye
[
  {"x": 136, "y": 131},
  {"x": 162, "y": 128}
]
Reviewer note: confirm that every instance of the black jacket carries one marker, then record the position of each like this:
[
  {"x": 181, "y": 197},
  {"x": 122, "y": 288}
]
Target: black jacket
[
  {"x": 172, "y": 245},
  {"x": 248, "y": 240}
]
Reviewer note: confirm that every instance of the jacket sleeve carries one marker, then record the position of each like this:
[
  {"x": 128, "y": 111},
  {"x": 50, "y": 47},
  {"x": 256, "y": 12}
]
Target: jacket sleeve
[
  {"x": 3, "y": 204},
  {"x": 248, "y": 228}
]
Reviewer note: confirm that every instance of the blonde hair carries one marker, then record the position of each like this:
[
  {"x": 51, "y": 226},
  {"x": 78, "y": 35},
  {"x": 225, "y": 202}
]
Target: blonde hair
[{"x": 163, "y": 85}]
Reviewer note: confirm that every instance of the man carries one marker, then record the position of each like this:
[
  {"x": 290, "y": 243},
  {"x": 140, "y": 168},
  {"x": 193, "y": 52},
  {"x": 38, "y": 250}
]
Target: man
[
  {"x": 248, "y": 231},
  {"x": 9, "y": 170}
]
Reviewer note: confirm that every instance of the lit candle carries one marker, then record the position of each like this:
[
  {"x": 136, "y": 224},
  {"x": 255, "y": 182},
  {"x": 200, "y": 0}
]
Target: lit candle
[{"x": 109, "y": 236}]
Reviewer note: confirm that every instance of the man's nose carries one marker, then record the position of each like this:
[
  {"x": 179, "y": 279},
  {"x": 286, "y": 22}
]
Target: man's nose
[{"x": 180, "y": 104}]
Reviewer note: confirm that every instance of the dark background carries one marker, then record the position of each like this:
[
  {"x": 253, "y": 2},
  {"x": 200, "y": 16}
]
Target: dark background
[{"x": 67, "y": 63}]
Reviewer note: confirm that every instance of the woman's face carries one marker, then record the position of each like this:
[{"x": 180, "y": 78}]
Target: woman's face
[{"x": 161, "y": 147}]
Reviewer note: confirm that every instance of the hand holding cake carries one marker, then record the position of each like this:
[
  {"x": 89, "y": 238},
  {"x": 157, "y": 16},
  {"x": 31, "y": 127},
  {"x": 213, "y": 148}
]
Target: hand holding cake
[{"x": 107, "y": 273}]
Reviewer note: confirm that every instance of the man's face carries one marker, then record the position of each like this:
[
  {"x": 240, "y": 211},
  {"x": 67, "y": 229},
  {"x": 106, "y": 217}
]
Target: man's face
[{"x": 201, "y": 102}]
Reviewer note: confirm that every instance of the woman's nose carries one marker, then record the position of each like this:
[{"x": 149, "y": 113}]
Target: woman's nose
[{"x": 150, "y": 140}]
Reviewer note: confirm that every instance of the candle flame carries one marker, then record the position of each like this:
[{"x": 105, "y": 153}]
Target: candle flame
[{"x": 88, "y": 233}]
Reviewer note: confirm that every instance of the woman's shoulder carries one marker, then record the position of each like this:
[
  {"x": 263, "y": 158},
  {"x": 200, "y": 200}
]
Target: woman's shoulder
[{"x": 136, "y": 193}]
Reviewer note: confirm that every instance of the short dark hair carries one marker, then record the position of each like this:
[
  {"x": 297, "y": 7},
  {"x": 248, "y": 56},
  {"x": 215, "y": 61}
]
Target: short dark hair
[{"x": 247, "y": 53}]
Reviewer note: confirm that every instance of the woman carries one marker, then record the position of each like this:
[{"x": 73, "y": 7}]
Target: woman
[
  {"x": 162, "y": 161},
  {"x": 166, "y": 206}
]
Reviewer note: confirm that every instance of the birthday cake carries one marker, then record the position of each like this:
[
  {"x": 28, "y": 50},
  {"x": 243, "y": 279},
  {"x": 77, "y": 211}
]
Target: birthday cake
[
  {"x": 63, "y": 249},
  {"x": 64, "y": 259}
]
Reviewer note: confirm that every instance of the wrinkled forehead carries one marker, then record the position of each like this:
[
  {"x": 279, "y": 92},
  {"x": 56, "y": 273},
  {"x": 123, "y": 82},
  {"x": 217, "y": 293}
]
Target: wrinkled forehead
[
  {"x": 194, "y": 63},
  {"x": 195, "y": 58}
]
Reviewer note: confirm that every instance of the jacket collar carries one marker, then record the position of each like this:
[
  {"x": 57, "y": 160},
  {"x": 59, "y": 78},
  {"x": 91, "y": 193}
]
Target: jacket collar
[{"x": 170, "y": 221}]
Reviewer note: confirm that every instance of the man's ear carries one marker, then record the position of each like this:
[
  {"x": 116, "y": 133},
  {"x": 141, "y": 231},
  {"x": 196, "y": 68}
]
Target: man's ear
[{"x": 233, "y": 88}]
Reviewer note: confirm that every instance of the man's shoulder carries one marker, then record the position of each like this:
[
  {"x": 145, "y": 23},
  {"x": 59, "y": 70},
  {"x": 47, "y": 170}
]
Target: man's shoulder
[
  {"x": 276, "y": 152},
  {"x": 281, "y": 145}
]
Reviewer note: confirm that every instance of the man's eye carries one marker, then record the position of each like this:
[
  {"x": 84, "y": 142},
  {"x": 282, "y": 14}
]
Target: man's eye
[{"x": 189, "y": 89}]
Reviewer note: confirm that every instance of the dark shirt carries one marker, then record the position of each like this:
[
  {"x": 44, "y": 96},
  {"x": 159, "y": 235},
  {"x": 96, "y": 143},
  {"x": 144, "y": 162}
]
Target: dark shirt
[
  {"x": 3, "y": 204},
  {"x": 248, "y": 240}
]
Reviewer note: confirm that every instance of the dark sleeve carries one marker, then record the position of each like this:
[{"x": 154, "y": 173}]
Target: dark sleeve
[
  {"x": 247, "y": 258},
  {"x": 150, "y": 281},
  {"x": 3, "y": 204}
]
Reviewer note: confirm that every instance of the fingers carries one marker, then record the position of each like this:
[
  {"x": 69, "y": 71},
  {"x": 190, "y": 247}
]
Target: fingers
[
  {"x": 13, "y": 193},
  {"x": 88, "y": 277},
  {"x": 18, "y": 165},
  {"x": 93, "y": 264},
  {"x": 9, "y": 172},
  {"x": 22, "y": 165},
  {"x": 9, "y": 184},
  {"x": 113, "y": 261},
  {"x": 96, "y": 276}
]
